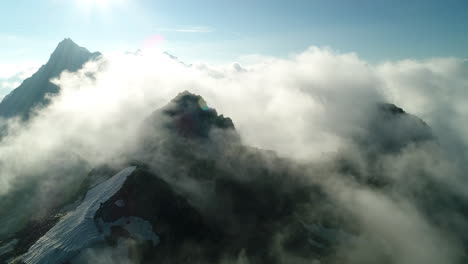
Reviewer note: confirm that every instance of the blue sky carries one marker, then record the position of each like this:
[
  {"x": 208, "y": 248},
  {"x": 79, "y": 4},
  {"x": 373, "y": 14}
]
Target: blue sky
[{"x": 222, "y": 30}]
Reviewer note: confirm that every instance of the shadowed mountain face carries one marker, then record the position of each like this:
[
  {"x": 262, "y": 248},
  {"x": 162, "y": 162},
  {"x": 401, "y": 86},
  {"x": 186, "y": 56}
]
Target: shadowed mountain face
[
  {"x": 198, "y": 195},
  {"x": 68, "y": 56},
  {"x": 392, "y": 129},
  {"x": 237, "y": 202},
  {"x": 190, "y": 116}
]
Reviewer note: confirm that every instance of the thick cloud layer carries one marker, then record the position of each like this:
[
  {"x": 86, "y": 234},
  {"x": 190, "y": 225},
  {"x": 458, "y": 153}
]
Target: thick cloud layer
[
  {"x": 310, "y": 108},
  {"x": 435, "y": 90}
]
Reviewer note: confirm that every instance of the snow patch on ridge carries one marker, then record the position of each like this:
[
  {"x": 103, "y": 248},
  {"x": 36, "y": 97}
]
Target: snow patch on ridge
[
  {"x": 77, "y": 230},
  {"x": 135, "y": 226}
]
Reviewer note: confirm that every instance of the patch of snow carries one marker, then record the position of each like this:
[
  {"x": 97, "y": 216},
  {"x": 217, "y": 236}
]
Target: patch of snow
[
  {"x": 120, "y": 203},
  {"x": 138, "y": 228},
  {"x": 77, "y": 230},
  {"x": 98, "y": 179}
]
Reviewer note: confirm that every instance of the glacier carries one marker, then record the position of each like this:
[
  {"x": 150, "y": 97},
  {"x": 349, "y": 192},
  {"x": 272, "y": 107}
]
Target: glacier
[{"x": 78, "y": 230}]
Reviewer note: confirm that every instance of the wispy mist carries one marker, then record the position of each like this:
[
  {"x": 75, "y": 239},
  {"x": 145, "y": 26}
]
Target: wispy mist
[{"x": 317, "y": 109}]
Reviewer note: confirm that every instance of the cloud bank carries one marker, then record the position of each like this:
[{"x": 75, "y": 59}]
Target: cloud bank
[{"x": 309, "y": 108}]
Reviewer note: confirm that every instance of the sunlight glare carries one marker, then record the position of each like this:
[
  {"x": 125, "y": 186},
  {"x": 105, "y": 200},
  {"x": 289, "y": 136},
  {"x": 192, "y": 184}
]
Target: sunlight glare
[{"x": 90, "y": 4}]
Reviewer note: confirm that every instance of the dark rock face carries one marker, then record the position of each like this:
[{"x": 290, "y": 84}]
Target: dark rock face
[
  {"x": 246, "y": 197},
  {"x": 68, "y": 56},
  {"x": 240, "y": 216},
  {"x": 240, "y": 200},
  {"x": 390, "y": 129},
  {"x": 189, "y": 116},
  {"x": 173, "y": 219}
]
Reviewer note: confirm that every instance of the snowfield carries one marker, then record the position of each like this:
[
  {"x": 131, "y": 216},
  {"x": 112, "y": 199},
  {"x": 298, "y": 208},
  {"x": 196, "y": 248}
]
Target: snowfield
[{"x": 78, "y": 230}]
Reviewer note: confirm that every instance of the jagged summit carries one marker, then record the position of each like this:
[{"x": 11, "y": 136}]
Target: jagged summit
[
  {"x": 68, "y": 45},
  {"x": 67, "y": 41},
  {"x": 190, "y": 116},
  {"x": 391, "y": 108},
  {"x": 390, "y": 129},
  {"x": 68, "y": 56}
]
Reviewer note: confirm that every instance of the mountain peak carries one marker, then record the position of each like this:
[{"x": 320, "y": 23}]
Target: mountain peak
[
  {"x": 189, "y": 116},
  {"x": 67, "y": 41},
  {"x": 193, "y": 117},
  {"x": 68, "y": 48},
  {"x": 68, "y": 56},
  {"x": 186, "y": 99}
]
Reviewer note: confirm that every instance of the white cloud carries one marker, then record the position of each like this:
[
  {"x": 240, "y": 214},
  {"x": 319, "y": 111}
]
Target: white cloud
[
  {"x": 20, "y": 69},
  {"x": 307, "y": 107},
  {"x": 302, "y": 107},
  {"x": 12, "y": 74},
  {"x": 436, "y": 90}
]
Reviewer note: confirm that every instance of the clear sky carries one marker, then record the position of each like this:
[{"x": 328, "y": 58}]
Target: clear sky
[{"x": 223, "y": 30}]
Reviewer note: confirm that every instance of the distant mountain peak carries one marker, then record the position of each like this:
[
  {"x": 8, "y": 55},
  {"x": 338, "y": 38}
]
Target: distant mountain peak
[
  {"x": 69, "y": 49},
  {"x": 68, "y": 56},
  {"x": 67, "y": 41},
  {"x": 67, "y": 44}
]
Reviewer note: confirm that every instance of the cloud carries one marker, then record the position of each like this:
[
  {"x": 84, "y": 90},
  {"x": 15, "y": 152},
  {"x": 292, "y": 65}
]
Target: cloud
[
  {"x": 12, "y": 74},
  {"x": 394, "y": 230},
  {"x": 192, "y": 29},
  {"x": 309, "y": 108},
  {"x": 435, "y": 90}
]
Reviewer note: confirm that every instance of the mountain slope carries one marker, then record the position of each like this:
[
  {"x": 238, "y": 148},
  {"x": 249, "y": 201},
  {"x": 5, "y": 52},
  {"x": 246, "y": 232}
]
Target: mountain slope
[
  {"x": 189, "y": 191},
  {"x": 68, "y": 56},
  {"x": 195, "y": 194}
]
